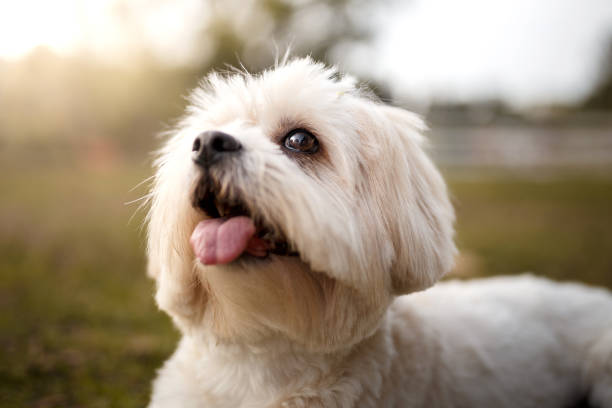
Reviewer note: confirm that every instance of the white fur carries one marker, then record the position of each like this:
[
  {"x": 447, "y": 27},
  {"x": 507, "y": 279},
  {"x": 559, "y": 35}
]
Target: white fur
[{"x": 370, "y": 216}]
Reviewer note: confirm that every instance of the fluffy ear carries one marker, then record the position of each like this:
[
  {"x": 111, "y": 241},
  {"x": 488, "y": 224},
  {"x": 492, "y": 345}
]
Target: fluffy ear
[{"x": 413, "y": 201}]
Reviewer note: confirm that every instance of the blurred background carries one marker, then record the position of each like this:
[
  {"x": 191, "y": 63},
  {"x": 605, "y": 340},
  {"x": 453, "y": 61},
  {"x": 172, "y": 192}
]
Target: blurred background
[{"x": 518, "y": 95}]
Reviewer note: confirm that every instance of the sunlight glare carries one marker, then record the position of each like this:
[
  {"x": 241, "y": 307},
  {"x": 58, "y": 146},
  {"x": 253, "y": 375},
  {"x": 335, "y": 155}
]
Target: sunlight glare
[{"x": 27, "y": 24}]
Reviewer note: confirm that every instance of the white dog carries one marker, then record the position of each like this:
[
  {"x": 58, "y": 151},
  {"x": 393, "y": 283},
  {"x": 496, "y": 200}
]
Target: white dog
[{"x": 289, "y": 212}]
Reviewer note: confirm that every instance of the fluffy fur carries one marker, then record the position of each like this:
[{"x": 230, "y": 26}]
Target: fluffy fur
[{"x": 371, "y": 219}]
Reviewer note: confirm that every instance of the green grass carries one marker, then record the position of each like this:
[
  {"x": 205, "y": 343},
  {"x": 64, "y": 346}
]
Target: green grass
[
  {"x": 79, "y": 327},
  {"x": 557, "y": 227}
]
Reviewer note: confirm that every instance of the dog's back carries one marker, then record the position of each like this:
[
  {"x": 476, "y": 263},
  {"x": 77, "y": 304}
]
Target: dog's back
[{"x": 509, "y": 341}]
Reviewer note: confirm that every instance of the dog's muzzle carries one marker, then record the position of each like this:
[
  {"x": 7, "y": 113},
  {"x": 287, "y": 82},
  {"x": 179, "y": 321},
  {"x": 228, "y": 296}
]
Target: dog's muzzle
[
  {"x": 230, "y": 228},
  {"x": 213, "y": 146}
]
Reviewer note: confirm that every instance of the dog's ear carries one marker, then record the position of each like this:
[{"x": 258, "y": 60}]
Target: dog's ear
[
  {"x": 413, "y": 199},
  {"x": 170, "y": 258}
]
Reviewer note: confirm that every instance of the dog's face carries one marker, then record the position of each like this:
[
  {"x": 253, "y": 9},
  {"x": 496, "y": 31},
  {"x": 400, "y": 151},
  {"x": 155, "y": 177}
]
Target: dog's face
[{"x": 289, "y": 204}]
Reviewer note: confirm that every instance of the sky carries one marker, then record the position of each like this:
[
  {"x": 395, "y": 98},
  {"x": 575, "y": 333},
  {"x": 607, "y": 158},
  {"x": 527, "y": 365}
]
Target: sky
[
  {"x": 528, "y": 52},
  {"x": 68, "y": 26}
]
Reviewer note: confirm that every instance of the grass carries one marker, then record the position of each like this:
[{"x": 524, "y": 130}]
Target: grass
[
  {"x": 557, "y": 227},
  {"x": 79, "y": 327}
]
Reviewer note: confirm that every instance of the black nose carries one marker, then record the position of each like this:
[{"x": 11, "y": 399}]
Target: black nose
[{"x": 211, "y": 146}]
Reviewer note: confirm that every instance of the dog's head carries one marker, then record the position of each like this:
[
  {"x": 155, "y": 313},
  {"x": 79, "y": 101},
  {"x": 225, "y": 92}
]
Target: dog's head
[{"x": 292, "y": 204}]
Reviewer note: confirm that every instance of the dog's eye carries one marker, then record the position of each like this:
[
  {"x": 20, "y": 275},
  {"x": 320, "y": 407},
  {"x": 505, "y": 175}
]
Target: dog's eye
[{"x": 301, "y": 141}]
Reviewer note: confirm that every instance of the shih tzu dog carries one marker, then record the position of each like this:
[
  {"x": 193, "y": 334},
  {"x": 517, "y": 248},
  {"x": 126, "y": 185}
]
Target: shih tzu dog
[{"x": 289, "y": 214}]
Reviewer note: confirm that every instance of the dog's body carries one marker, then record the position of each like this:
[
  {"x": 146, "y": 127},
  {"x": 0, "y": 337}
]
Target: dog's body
[
  {"x": 289, "y": 212},
  {"x": 456, "y": 345}
]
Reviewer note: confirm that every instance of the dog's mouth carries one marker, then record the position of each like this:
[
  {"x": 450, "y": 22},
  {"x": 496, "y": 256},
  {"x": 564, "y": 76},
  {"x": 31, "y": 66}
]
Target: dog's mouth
[{"x": 232, "y": 231}]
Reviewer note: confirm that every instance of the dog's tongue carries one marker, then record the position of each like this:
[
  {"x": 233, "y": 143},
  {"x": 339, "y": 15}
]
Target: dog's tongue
[{"x": 220, "y": 241}]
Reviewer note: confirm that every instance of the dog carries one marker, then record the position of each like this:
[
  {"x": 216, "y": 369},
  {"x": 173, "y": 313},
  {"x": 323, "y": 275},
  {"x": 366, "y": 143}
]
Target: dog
[{"x": 295, "y": 232}]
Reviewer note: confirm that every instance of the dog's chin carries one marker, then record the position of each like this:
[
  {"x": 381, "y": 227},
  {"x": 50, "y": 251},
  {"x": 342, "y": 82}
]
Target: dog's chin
[{"x": 280, "y": 299}]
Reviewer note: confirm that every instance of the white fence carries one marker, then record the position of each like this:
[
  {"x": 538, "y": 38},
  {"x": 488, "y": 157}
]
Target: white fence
[{"x": 522, "y": 146}]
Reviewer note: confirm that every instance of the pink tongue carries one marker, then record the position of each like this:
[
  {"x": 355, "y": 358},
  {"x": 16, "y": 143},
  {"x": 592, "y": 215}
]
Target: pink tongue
[{"x": 220, "y": 241}]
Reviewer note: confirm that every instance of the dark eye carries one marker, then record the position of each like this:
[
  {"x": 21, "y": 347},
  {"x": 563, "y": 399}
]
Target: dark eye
[{"x": 301, "y": 141}]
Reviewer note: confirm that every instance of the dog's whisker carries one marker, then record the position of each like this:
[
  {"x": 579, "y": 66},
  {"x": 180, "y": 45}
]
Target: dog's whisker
[
  {"x": 144, "y": 197},
  {"x": 148, "y": 179},
  {"x": 144, "y": 202}
]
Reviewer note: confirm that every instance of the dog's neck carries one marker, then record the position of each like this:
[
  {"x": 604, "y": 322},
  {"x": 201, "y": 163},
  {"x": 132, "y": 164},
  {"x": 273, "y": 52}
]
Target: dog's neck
[{"x": 239, "y": 373}]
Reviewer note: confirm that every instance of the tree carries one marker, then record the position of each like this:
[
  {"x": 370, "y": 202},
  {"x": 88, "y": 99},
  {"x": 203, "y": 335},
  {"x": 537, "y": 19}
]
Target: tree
[{"x": 601, "y": 97}]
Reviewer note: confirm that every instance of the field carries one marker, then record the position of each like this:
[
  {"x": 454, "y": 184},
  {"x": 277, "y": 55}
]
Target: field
[{"x": 79, "y": 327}]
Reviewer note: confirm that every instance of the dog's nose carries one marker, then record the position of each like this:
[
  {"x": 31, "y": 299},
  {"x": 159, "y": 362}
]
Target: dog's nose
[{"x": 212, "y": 145}]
